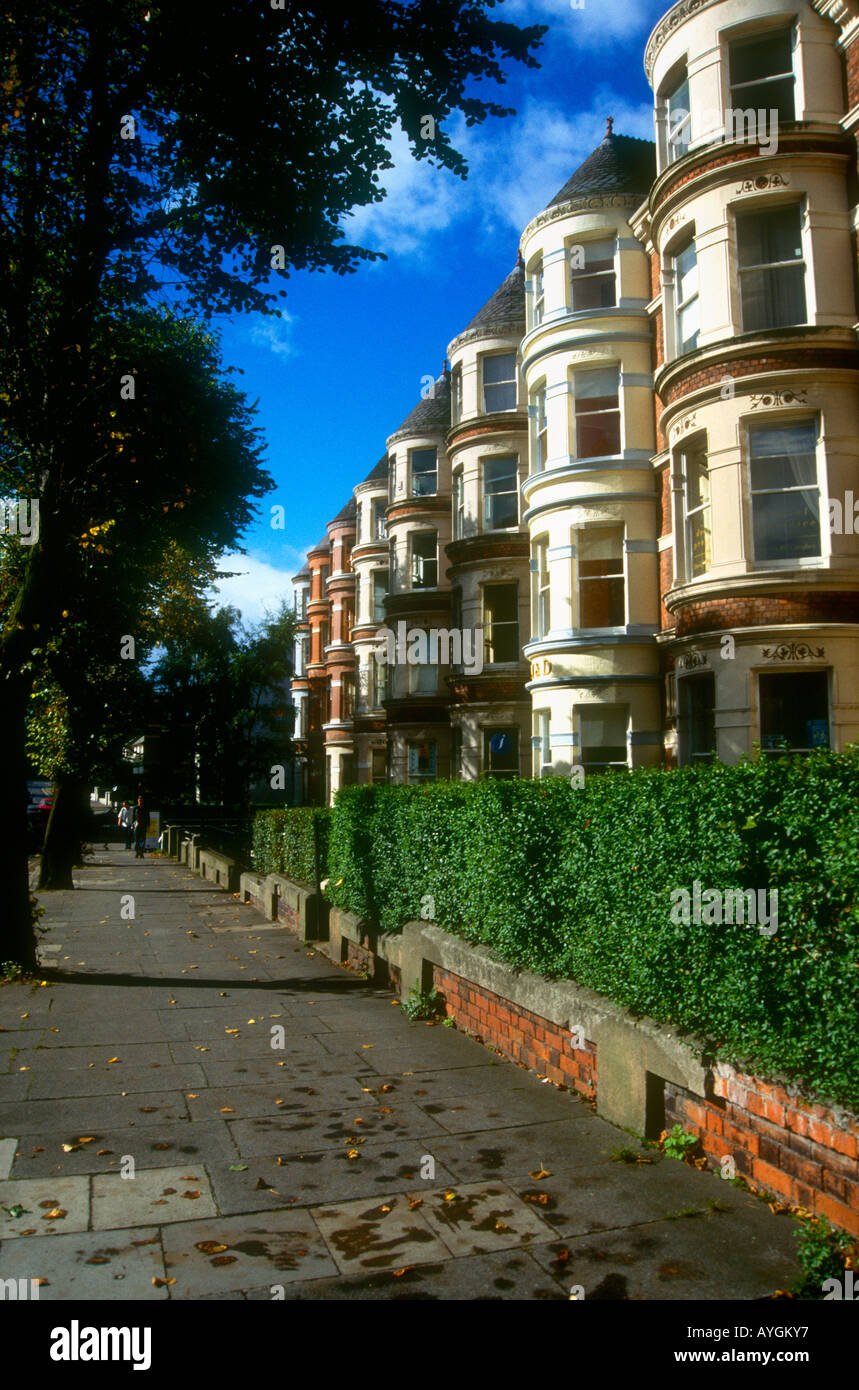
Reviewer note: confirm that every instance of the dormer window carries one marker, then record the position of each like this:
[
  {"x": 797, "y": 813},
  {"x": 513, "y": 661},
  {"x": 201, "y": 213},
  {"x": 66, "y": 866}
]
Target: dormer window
[
  {"x": 761, "y": 73},
  {"x": 592, "y": 275},
  {"x": 499, "y": 382}
]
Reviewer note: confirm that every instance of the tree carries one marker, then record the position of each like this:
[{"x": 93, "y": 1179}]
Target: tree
[
  {"x": 187, "y": 150},
  {"x": 223, "y": 689}
]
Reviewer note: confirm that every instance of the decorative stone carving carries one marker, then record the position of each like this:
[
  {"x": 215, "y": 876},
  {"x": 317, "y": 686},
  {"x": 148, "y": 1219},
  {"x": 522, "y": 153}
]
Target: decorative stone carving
[
  {"x": 762, "y": 181},
  {"x": 793, "y": 651},
  {"x": 692, "y": 660},
  {"x": 677, "y": 15},
  {"x": 786, "y": 397},
  {"x": 683, "y": 426}
]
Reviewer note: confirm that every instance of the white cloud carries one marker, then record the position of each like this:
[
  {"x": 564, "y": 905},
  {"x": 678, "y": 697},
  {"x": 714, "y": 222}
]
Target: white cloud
[
  {"x": 590, "y": 24},
  {"x": 515, "y": 167},
  {"x": 258, "y": 584},
  {"x": 275, "y": 334}
]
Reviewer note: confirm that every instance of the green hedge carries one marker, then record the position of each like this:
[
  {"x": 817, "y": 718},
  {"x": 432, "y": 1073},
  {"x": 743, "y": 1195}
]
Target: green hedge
[
  {"x": 576, "y": 883},
  {"x": 283, "y": 841}
]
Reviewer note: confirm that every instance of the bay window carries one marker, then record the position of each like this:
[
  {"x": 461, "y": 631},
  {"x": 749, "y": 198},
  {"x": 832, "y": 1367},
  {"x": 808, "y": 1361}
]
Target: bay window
[
  {"x": 687, "y": 316},
  {"x": 424, "y": 555},
  {"x": 771, "y": 268},
  {"x": 500, "y": 493},
  {"x": 499, "y": 382},
  {"x": 761, "y": 73},
  {"x": 424, "y": 471},
  {"x": 696, "y": 497},
  {"x": 679, "y": 117},
  {"x": 602, "y": 588},
  {"x": 597, "y": 412},
  {"x": 785, "y": 493},
  {"x": 592, "y": 275},
  {"x": 602, "y": 732},
  {"x": 501, "y": 622}
]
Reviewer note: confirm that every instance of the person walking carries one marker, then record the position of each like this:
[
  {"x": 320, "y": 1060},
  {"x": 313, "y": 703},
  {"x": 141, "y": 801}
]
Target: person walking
[
  {"x": 141, "y": 817},
  {"x": 125, "y": 821}
]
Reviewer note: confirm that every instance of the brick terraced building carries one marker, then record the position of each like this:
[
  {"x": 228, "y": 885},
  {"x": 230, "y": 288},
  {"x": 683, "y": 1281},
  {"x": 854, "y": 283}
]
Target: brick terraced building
[{"x": 637, "y": 479}]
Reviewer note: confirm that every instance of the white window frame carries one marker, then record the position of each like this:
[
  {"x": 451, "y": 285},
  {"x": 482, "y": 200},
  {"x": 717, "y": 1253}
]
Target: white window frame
[
  {"x": 511, "y": 492},
  {"x": 581, "y": 579},
  {"x": 799, "y": 561},
  {"x": 507, "y": 381}
]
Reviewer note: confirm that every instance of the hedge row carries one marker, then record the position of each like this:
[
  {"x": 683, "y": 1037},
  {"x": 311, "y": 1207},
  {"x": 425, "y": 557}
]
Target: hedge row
[
  {"x": 577, "y": 883},
  {"x": 283, "y": 841}
]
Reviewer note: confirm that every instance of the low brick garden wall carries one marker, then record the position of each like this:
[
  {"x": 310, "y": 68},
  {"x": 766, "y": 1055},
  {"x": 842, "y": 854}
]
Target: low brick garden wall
[{"x": 806, "y": 1154}]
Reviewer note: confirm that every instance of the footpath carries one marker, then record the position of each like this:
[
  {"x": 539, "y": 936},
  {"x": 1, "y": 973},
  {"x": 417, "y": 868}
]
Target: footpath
[{"x": 196, "y": 1106}]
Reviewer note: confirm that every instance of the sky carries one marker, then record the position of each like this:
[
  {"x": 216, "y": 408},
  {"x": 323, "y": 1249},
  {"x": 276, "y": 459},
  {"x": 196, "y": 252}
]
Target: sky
[{"x": 344, "y": 366}]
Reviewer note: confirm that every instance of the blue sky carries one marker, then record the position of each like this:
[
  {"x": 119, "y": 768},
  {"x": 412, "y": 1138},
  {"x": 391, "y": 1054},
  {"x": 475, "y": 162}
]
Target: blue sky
[{"x": 343, "y": 367}]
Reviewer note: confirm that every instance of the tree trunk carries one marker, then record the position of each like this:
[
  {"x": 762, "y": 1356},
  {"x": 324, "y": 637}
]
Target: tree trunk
[
  {"x": 64, "y": 835},
  {"x": 17, "y": 937}
]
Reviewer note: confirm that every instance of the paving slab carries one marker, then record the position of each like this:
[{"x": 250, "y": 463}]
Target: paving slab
[
  {"x": 375, "y": 1112},
  {"x": 89, "y": 1265},
  {"x": 40, "y": 1206},
  {"x": 239, "y": 1251},
  {"x": 8, "y": 1148},
  {"x": 387, "y": 1233},
  {"x": 160, "y": 1195}
]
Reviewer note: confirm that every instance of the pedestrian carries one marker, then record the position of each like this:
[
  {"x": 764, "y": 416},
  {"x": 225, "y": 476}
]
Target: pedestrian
[
  {"x": 125, "y": 821},
  {"x": 141, "y": 817}
]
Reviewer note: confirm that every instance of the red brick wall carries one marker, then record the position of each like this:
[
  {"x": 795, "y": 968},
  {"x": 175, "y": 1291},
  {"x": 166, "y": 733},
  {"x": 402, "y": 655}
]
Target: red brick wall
[
  {"x": 851, "y": 57},
  {"x": 802, "y": 1152},
  {"x": 791, "y": 359},
  {"x": 526, "y": 1038},
  {"x": 779, "y": 1143},
  {"x": 725, "y": 613}
]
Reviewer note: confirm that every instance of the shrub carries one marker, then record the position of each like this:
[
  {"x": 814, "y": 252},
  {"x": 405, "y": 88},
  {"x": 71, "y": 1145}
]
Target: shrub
[
  {"x": 577, "y": 882},
  {"x": 283, "y": 842}
]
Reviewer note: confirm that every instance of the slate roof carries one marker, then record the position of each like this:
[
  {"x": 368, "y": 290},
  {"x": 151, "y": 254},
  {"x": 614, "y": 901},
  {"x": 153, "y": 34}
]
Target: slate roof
[
  {"x": 620, "y": 164},
  {"x": 431, "y": 414},
  {"x": 506, "y": 307},
  {"x": 379, "y": 472},
  {"x": 302, "y": 574},
  {"x": 347, "y": 513}
]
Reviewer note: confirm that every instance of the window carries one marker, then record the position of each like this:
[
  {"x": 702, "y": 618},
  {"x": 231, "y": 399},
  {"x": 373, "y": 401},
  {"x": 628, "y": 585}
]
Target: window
[
  {"x": 348, "y": 622},
  {"x": 456, "y": 607},
  {"x": 456, "y": 752},
  {"x": 540, "y": 743},
  {"x": 422, "y": 762},
  {"x": 696, "y": 492},
  {"x": 501, "y": 493},
  {"x": 380, "y": 681},
  {"x": 456, "y": 395},
  {"x": 499, "y": 382},
  {"x": 784, "y": 491},
  {"x": 501, "y": 622},
  {"x": 380, "y": 590},
  {"x": 303, "y": 655},
  {"x": 424, "y": 464},
  {"x": 794, "y": 711},
  {"x": 539, "y": 292},
  {"x": 603, "y": 736},
  {"x": 761, "y": 73},
  {"x": 592, "y": 275},
  {"x": 602, "y": 601},
  {"x": 771, "y": 268},
  {"x": 542, "y": 594},
  {"x": 501, "y": 752},
  {"x": 423, "y": 677},
  {"x": 324, "y": 571},
  {"x": 392, "y": 476},
  {"x": 324, "y": 636},
  {"x": 597, "y": 412},
  {"x": 679, "y": 117},
  {"x": 687, "y": 316},
  {"x": 301, "y": 603},
  {"x": 379, "y": 524},
  {"x": 348, "y": 696},
  {"x": 458, "y": 506},
  {"x": 347, "y": 557},
  {"x": 538, "y": 411},
  {"x": 698, "y": 695},
  {"x": 379, "y": 765},
  {"x": 424, "y": 559}
]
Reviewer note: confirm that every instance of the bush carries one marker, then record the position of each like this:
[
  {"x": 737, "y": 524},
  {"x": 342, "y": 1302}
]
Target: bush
[
  {"x": 576, "y": 883},
  {"x": 283, "y": 842}
]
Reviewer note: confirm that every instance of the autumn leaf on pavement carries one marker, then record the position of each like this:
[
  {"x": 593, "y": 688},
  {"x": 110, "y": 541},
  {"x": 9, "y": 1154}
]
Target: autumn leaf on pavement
[
  {"x": 211, "y": 1247},
  {"x": 540, "y": 1173}
]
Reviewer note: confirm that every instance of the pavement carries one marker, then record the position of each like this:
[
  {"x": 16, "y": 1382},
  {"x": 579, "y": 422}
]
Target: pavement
[{"x": 194, "y": 1105}]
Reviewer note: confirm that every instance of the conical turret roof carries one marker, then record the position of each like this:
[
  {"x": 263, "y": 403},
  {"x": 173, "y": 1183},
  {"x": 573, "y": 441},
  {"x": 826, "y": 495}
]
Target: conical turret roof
[
  {"x": 430, "y": 415},
  {"x": 619, "y": 164}
]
